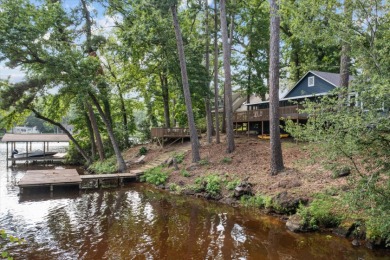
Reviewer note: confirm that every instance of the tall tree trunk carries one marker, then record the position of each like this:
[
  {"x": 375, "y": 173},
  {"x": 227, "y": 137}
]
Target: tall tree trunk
[
  {"x": 165, "y": 96},
  {"x": 91, "y": 135},
  {"x": 124, "y": 117},
  {"x": 123, "y": 107},
  {"x": 99, "y": 143},
  {"x": 223, "y": 130},
  {"x": 173, "y": 112},
  {"x": 249, "y": 86},
  {"x": 216, "y": 95},
  {"x": 276, "y": 147},
  {"x": 345, "y": 50},
  {"x": 78, "y": 147},
  {"x": 228, "y": 87},
  {"x": 119, "y": 158},
  {"x": 186, "y": 88},
  {"x": 209, "y": 116}
]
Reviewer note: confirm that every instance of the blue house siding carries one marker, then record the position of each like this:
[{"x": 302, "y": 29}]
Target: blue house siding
[{"x": 302, "y": 88}]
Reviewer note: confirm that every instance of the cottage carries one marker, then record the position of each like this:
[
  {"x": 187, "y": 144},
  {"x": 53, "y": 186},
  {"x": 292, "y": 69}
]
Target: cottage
[{"x": 311, "y": 86}]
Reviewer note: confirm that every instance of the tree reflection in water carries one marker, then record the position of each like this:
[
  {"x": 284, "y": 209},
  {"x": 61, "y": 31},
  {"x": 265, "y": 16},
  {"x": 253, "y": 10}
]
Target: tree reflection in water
[{"x": 138, "y": 221}]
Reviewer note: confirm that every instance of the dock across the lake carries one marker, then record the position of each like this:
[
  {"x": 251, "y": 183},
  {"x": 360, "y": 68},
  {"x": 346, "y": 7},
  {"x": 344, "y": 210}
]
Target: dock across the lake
[{"x": 68, "y": 177}]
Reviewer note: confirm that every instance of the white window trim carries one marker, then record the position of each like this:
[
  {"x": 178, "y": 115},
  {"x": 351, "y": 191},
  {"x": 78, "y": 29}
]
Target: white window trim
[
  {"x": 356, "y": 96},
  {"x": 310, "y": 79}
]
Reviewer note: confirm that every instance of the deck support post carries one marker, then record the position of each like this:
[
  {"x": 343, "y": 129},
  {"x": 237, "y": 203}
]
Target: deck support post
[
  {"x": 7, "y": 154},
  {"x": 262, "y": 127}
]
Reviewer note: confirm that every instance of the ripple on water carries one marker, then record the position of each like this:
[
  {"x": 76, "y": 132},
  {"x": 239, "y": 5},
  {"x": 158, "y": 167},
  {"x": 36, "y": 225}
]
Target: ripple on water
[{"x": 136, "y": 221}]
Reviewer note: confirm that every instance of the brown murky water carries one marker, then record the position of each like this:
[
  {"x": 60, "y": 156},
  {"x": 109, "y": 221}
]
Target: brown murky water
[{"x": 139, "y": 222}]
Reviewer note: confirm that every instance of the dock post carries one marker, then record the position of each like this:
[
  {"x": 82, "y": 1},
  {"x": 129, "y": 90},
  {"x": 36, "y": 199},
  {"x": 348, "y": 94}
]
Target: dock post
[{"x": 6, "y": 155}]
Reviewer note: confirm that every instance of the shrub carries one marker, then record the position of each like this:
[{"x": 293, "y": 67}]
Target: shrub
[
  {"x": 213, "y": 185},
  {"x": 203, "y": 162},
  {"x": 231, "y": 185},
  {"x": 226, "y": 160},
  {"x": 155, "y": 176},
  {"x": 179, "y": 157},
  {"x": 143, "y": 150},
  {"x": 185, "y": 173},
  {"x": 320, "y": 212},
  {"x": 107, "y": 166},
  {"x": 258, "y": 201},
  {"x": 210, "y": 183},
  {"x": 378, "y": 226},
  {"x": 173, "y": 187}
]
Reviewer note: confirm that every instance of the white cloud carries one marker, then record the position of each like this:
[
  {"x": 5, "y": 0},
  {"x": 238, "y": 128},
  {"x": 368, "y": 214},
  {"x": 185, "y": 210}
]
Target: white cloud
[
  {"x": 106, "y": 23},
  {"x": 14, "y": 75}
]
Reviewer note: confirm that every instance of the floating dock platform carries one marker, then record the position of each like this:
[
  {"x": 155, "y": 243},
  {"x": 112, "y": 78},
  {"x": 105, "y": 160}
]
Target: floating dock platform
[{"x": 68, "y": 177}]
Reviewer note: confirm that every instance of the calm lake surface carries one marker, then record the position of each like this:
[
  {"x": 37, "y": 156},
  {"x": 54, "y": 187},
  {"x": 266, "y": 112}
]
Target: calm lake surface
[{"x": 139, "y": 222}]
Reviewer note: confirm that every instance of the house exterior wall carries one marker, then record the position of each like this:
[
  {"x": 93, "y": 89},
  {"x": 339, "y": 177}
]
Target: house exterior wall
[
  {"x": 253, "y": 99},
  {"x": 302, "y": 88},
  {"x": 24, "y": 130}
]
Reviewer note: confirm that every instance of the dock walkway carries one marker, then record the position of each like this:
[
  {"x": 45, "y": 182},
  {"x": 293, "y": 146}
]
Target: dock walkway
[{"x": 68, "y": 177}]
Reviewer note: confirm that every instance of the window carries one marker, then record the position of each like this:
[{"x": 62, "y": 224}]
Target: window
[
  {"x": 311, "y": 81},
  {"x": 353, "y": 100}
]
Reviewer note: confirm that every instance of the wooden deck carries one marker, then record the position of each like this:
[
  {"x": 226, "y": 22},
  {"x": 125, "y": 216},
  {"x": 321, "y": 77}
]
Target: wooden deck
[
  {"x": 171, "y": 132},
  {"x": 39, "y": 178},
  {"x": 263, "y": 114},
  {"x": 93, "y": 181},
  {"x": 65, "y": 177}
]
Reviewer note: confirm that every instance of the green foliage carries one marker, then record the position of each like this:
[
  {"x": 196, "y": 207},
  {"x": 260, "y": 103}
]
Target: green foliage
[
  {"x": 156, "y": 176},
  {"x": 210, "y": 183},
  {"x": 203, "y": 162},
  {"x": 213, "y": 185},
  {"x": 6, "y": 237},
  {"x": 185, "y": 173},
  {"x": 258, "y": 201},
  {"x": 73, "y": 157},
  {"x": 322, "y": 212},
  {"x": 179, "y": 157},
  {"x": 143, "y": 150},
  {"x": 103, "y": 167},
  {"x": 378, "y": 225},
  {"x": 226, "y": 160},
  {"x": 144, "y": 128},
  {"x": 230, "y": 185},
  {"x": 174, "y": 187}
]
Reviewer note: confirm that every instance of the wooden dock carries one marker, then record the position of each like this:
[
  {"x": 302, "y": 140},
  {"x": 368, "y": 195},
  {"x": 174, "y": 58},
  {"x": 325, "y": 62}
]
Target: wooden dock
[
  {"x": 66, "y": 177},
  {"x": 93, "y": 181},
  {"x": 40, "y": 178}
]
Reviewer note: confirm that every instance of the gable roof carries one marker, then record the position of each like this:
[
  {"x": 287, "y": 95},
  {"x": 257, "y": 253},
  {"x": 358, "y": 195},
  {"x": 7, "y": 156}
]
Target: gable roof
[
  {"x": 331, "y": 78},
  {"x": 35, "y": 138}
]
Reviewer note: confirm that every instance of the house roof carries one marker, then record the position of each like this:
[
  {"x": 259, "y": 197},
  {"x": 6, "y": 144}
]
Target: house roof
[
  {"x": 331, "y": 78},
  {"x": 237, "y": 102},
  {"x": 35, "y": 138}
]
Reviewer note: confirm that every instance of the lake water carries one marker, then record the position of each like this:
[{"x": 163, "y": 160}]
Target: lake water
[{"x": 139, "y": 222}]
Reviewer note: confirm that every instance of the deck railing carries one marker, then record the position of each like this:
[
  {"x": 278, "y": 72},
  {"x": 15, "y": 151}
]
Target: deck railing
[
  {"x": 171, "y": 132},
  {"x": 263, "y": 114}
]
